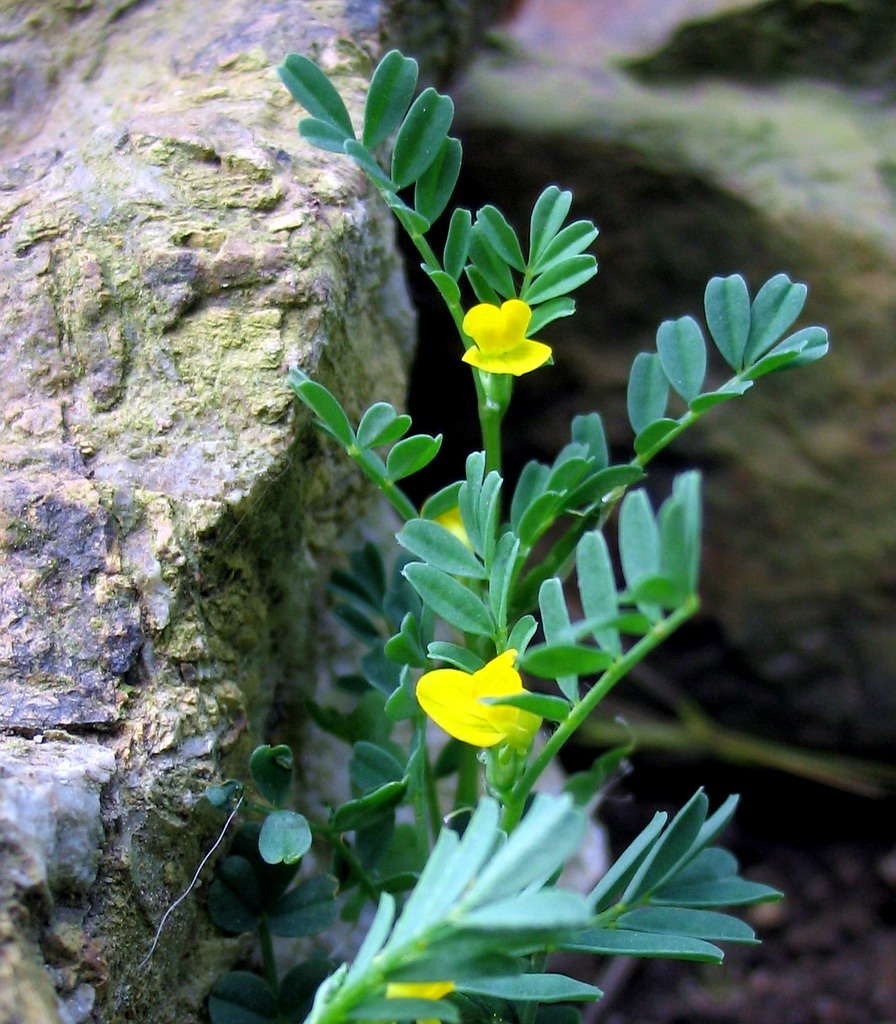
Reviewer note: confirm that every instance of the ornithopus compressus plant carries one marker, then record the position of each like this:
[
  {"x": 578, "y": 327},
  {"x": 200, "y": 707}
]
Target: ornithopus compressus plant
[{"x": 457, "y": 850}]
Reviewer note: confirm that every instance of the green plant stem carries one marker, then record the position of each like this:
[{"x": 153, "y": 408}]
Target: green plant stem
[
  {"x": 434, "y": 812},
  {"x": 696, "y": 733},
  {"x": 529, "y": 1011},
  {"x": 349, "y": 856},
  {"x": 267, "y": 955},
  {"x": 615, "y": 673},
  {"x": 422, "y": 809},
  {"x": 490, "y": 418},
  {"x": 394, "y": 495},
  {"x": 467, "y": 792},
  {"x": 490, "y": 414}
]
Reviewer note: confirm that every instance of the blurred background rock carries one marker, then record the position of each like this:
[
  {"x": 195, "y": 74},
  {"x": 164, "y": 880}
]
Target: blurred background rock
[{"x": 706, "y": 137}]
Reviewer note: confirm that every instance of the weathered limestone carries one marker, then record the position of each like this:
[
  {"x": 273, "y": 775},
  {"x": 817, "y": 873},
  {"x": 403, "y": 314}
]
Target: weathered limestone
[
  {"x": 688, "y": 176},
  {"x": 168, "y": 247}
]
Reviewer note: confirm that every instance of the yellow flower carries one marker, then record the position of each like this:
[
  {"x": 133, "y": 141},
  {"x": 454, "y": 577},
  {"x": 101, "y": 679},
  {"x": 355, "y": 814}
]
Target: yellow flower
[
  {"x": 454, "y": 524},
  {"x": 419, "y": 990},
  {"x": 453, "y": 700},
  {"x": 500, "y": 337}
]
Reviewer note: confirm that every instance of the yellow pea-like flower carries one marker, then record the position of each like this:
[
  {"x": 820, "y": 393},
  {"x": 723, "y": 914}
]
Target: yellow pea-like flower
[
  {"x": 419, "y": 990},
  {"x": 453, "y": 700},
  {"x": 501, "y": 345}
]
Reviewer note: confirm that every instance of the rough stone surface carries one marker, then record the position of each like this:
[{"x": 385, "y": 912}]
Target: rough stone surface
[
  {"x": 692, "y": 176},
  {"x": 168, "y": 247}
]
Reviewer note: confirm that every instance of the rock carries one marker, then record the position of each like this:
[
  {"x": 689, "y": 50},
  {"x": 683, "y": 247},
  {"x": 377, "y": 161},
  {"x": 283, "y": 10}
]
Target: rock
[
  {"x": 760, "y": 169},
  {"x": 169, "y": 248}
]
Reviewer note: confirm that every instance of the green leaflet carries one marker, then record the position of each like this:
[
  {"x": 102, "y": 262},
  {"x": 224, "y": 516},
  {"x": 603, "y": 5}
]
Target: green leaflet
[
  {"x": 391, "y": 91},
  {"x": 421, "y": 136}
]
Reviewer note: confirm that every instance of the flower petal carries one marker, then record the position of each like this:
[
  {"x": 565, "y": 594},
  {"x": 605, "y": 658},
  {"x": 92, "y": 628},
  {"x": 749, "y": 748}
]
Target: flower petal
[
  {"x": 446, "y": 695},
  {"x": 527, "y": 356},
  {"x": 517, "y": 315},
  {"x": 485, "y": 325}
]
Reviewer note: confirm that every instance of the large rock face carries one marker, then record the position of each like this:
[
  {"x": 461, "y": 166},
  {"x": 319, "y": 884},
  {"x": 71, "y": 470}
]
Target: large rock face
[
  {"x": 169, "y": 247},
  {"x": 696, "y": 135}
]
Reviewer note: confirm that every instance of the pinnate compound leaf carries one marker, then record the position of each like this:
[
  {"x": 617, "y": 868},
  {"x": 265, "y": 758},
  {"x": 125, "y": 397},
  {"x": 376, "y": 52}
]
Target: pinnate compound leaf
[
  {"x": 560, "y": 278},
  {"x": 285, "y": 837},
  {"x": 309, "y": 909},
  {"x": 411, "y": 455},
  {"x": 648, "y": 391},
  {"x": 421, "y": 136},
  {"x": 240, "y": 997},
  {"x": 682, "y": 352},
  {"x": 777, "y": 304},
  {"x": 271, "y": 769},
  {"x": 449, "y": 599},
  {"x": 391, "y": 91},
  {"x": 550, "y": 211},
  {"x": 310, "y": 86},
  {"x": 435, "y": 186},
  {"x": 437, "y": 546},
  {"x": 539, "y": 988},
  {"x": 727, "y": 306}
]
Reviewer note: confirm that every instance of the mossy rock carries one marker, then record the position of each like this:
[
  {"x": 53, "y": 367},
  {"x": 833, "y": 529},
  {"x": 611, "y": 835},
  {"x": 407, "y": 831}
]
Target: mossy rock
[{"x": 169, "y": 248}]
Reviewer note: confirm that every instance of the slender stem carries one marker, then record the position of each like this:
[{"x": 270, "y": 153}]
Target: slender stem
[
  {"x": 528, "y": 1012},
  {"x": 394, "y": 495},
  {"x": 422, "y": 811},
  {"x": 467, "y": 792},
  {"x": 490, "y": 417},
  {"x": 349, "y": 856},
  {"x": 267, "y": 955},
  {"x": 434, "y": 812},
  {"x": 616, "y": 672}
]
